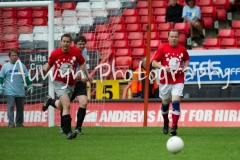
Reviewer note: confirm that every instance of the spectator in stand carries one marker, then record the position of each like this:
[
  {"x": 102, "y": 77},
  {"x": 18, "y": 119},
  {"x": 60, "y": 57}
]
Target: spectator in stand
[
  {"x": 174, "y": 12},
  {"x": 138, "y": 86},
  {"x": 192, "y": 15}
]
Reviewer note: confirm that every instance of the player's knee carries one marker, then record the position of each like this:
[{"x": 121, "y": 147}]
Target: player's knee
[
  {"x": 176, "y": 105},
  {"x": 165, "y": 107},
  {"x": 83, "y": 105}
]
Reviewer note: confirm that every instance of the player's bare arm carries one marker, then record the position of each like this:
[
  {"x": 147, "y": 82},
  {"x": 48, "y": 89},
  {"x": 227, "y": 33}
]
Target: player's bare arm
[
  {"x": 186, "y": 63},
  {"x": 46, "y": 68},
  {"x": 80, "y": 71},
  {"x": 155, "y": 64}
]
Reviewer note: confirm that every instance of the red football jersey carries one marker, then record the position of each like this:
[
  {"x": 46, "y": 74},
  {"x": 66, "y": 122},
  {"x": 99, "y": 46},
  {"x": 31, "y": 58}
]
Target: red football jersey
[
  {"x": 174, "y": 57},
  {"x": 65, "y": 61}
]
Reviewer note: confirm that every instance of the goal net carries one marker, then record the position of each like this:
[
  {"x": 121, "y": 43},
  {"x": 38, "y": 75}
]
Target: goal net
[{"x": 27, "y": 28}]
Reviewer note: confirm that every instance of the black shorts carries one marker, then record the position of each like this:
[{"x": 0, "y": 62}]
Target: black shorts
[{"x": 80, "y": 89}]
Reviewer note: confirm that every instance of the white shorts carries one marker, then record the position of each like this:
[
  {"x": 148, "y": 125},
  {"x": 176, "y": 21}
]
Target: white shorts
[
  {"x": 167, "y": 90},
  {"x": 60, "y": 89}
]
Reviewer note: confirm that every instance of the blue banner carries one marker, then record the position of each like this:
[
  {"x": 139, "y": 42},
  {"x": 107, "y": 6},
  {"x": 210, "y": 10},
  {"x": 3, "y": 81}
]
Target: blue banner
[{"x": 213, "y": 67}]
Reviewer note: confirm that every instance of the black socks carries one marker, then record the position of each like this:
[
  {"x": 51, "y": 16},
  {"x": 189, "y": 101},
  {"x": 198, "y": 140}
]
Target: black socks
[
  {"x": 52, "y": 102},
  {"x": 67, "y": 123},
  {"x": 62, "y": 123},
  {"x": 80, "y": 117},
  {"x": 202, "y": 36}
]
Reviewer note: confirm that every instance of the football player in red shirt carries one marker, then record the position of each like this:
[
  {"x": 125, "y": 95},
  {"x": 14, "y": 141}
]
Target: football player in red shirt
[
  {"x": 174, "y": 60},
  {"x": 64, "y": 60}
]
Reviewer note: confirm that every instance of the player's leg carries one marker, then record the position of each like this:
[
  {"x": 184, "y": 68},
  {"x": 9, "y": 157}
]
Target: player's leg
[
  {"x": 80, "y": 91},
  {"x": 62, "y": 125},
  {"x": 10, "y": 109},
  {"x": 177, "y": 90},
  {"x": 165, "y": 95},
  {"x": 20, "y": 109},
  {"x": 66, "y": 117},
  {"x": 81, "y": 112},
  {"x": 49, "y": 102}
]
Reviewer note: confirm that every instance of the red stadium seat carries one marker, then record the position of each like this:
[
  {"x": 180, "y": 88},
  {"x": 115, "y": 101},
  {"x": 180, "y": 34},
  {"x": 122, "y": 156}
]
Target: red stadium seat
[
  {"x": 103, "y": 36},
  {"x": 120, "y": 44},
  {"x": 39, "y": 22},
  {"x": 228, "y": 43},
  {"x": 57, "y": 5},
  {"x": 221, "y": 4},
  {"x": 25, "y": 29},
  {"x": 131, "y": 20},
  {"x": 208, "y": 11},
  {"x": 120, "y": 36},
  {"x": 182, "y": 27},
  {"x": 10, "y": 45},
  {"x": 9, "y": 14},
  {"x": 130, "y": 12},
  {"x": 202, "y": 3},
  {"x": 221, "y": 8},
  {"x": 160, "y": 19},
  {"x": 154, "y": 36},
  {"x": 9, "y": 22},
  {"x": 237, "y": 34},
  {"x": 24, "y": 22},
  {"x": 122, "y": 64},
  {"x": 235, "y": 24},
  {"x": 221, "y": 13},
  {"x": 137, "y": 44},
  {"x": 153, "y": 27},
  {"x": 23, "y": 9},
  {"x": 159, "y": 12},
  {"x": 89, "y": 36},
  {"x": 182, "y": 39},
  {"x": 163, "y": 36},
  {"x": 10, "y": 37},
  {"x": 159, "y": 4},
  {"x": 39, "y": 8},
  {"x": 238, "y": 43},
  {"x": 207, "y": 22},
  {"x": 116, "y": 20},
  {"x": 2, "y": 46},
  {"x": 155, "y": 44},
  {"x": 142, "y": 4},
  {"x": 57, "y": 14},
  {"x": 105, "y": 52},
  {"x": 208, "y": 14},
  {"x": 143, "y": 12},
  {"x": 226, "y": 33},
  {"x": 68, "y": 5},
  {"x": 135, "y": 35},
  {"x": 135, "y": 63},
  {"x": 105, "y": 44},
  {"x": 133, "y": 28},
  {"x": 102, "y": 28},
  {"x": 39, "y": 14},
  {"x": 164, "y": 27},
  {"x": 119, "y": 28},
  {"x": 8, "y": 9},
  {"x": 122, "y": 52},
  {"x": 9, "y": 29},
  {"x": 144, "y": 19},
  {"x": 139, "y": 52},
  {"x": 91, "y": 45},
  {"x": 211, "y": 43},
  {"x": 24, "y": 14}
]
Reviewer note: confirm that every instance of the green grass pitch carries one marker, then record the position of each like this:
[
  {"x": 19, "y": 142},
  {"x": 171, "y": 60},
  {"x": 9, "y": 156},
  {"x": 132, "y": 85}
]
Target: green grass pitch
[{"x": 118, "y": 143}]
